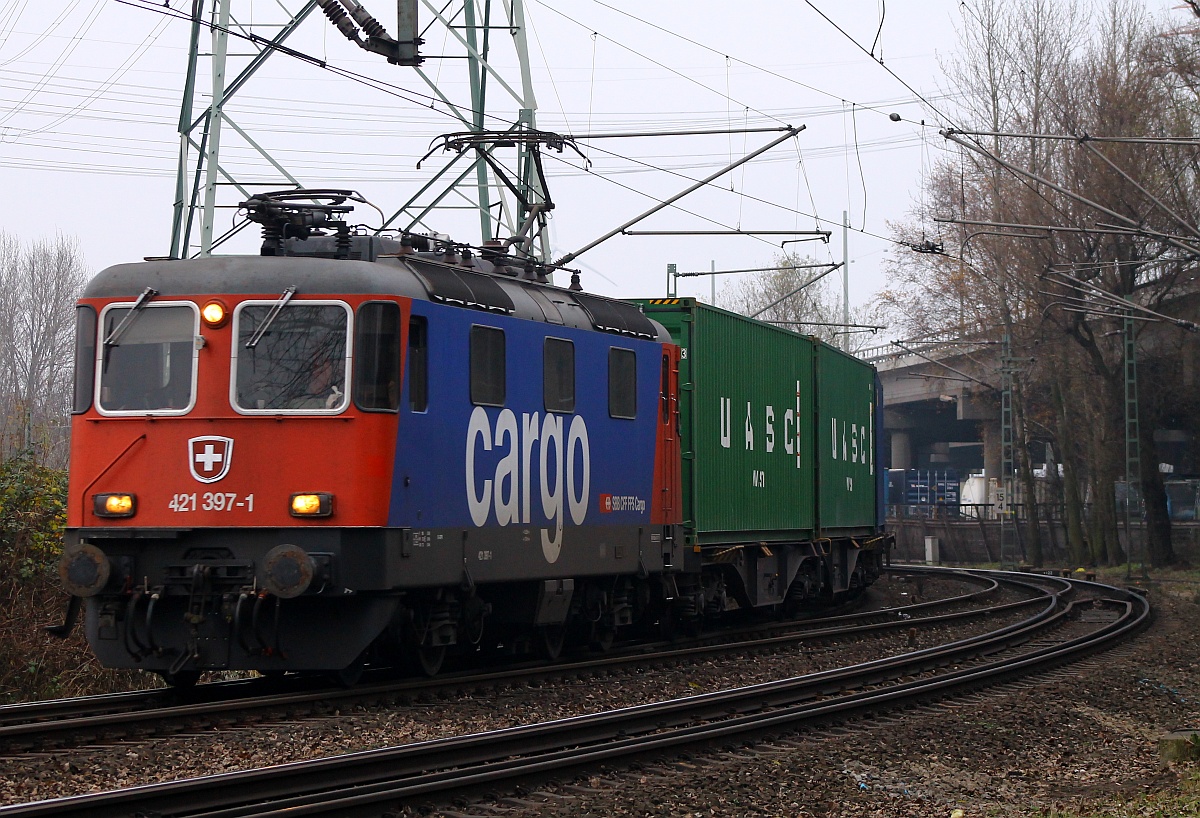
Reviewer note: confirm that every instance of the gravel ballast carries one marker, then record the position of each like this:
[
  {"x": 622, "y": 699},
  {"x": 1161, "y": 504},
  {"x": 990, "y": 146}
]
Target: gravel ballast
[{"x": 1083, "y": 740}]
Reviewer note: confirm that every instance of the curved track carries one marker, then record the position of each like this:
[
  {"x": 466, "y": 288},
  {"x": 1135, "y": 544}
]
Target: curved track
[
  {"x": 1071, "y": 620},
  {"x": 95, "y": 719}
]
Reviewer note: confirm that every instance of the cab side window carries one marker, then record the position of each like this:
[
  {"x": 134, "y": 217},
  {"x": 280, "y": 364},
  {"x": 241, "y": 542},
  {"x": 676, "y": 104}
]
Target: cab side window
[
  {"x": 148, "y": 358},
  {"x": 622, "y": 383},
  {"x": 377, "y": 357},
  {"x": 85, "y": 358},
  {"x": 558, "y": 375},
  {"x": 418, "y": 364},
  {"x": 487, "y": 366}
]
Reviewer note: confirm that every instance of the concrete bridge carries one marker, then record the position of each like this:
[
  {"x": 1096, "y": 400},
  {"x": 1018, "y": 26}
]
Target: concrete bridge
[
  {"x": 941, "y": 403},
  {"x": 941, "y": 398}
]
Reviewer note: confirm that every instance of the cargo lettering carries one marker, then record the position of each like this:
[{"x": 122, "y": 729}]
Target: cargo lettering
[
  {"x": 791, "y": 427},
  {"x": 508, "y": 491},
  {"x": 853, "y": 439}
]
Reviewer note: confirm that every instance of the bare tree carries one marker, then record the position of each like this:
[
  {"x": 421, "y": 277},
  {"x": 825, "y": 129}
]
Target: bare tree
[
  {"x": 39, "y": 283},
  {"x": 798, "y": 294},
  {"x": 1123, "y": 214}
]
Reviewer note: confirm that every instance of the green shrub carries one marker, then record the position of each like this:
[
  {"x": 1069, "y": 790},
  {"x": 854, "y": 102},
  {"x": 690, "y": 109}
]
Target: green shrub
[{"x": 34, "y": 664}]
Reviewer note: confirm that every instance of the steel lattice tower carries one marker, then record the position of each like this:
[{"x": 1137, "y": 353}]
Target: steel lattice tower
[{"x": 494, "y": 165}]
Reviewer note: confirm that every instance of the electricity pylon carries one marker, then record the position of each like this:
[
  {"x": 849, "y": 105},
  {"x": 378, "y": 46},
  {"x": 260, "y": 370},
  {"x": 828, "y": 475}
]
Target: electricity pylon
[{"x": 494, "y": 165}]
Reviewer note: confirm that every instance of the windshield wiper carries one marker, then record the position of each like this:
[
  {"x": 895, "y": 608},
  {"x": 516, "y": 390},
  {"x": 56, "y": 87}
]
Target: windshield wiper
[
  {"x": 270, "y": 317},
  {"x": 116, "y": 334}
]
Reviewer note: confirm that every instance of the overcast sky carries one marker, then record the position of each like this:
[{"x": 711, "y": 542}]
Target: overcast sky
[{"x": 90, "y": 94}]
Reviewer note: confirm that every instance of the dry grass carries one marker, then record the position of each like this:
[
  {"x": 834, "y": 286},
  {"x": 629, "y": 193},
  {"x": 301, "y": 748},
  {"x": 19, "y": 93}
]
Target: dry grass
[{"x": 34, "y": 664}]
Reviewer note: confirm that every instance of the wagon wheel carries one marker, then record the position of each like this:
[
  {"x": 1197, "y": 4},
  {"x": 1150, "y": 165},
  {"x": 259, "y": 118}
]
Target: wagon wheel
[
  {"x": 550, "y": 640},
  {"x": 668, "y": 623}
]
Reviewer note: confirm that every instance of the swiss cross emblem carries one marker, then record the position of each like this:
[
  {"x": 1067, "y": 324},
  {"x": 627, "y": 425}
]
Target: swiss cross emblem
[{"x": 209, "y": 457}]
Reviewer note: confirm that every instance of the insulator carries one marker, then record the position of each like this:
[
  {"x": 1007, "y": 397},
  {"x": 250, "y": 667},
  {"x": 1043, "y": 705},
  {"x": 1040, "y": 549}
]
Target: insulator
[
  {"x": 338, "y": 17},
  {"x": 369, "y": 24}
]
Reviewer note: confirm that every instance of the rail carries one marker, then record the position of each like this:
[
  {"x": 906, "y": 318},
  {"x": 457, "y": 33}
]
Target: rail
[{"x": 452, "y": 766}]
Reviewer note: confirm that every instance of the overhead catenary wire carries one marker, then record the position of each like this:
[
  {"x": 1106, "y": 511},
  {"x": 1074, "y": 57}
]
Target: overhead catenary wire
[
  {"x": 112, "y": 78},
  {"x": 650, "y": 59},
  {"x": 789, "y": 79},
  {"x": 84, "y": 25},
  {"x": 1084, "y": 142},
  {"x": 750, "y": 270},
  {"x": 950, "y": 134},
  {"x": 807, "y": 283},
  {"x": 388, "y": 87},
  {"x": 791, "y": 133},
  {"x": 45, "y": 35},
  {"x": 10, "y": 15},
  {"x": 1133, "y": 140},
  {"x": 425, "y": 104},
  {"x": 768, "y": 202},
  {"x": 368, "y": 81},
  {"x": 885, "y": 67},
  {"x": 1024, "y": 177}
]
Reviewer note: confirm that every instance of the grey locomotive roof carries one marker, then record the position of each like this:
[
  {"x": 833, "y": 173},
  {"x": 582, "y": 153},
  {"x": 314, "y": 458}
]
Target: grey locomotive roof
[{"x": 413, "y": 276}]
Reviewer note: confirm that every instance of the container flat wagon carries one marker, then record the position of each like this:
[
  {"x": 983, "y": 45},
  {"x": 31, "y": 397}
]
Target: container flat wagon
[{"x": 780, "y": 446}]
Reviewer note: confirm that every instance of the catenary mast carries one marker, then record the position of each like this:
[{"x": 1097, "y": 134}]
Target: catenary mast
[{"x": 487, "y": 161}]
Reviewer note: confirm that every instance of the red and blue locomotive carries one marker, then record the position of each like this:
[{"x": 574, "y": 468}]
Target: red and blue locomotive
[{"x": 358, "y": 447}]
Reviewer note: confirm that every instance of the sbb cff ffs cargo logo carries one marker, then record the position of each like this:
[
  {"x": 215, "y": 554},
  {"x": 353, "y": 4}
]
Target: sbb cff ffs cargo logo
[{"x": 621, "y": 502}]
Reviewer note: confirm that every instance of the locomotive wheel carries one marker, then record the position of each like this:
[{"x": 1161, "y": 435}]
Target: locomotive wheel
[
  {"x": 182, "y": 678},
  {"x": 430, "y": 658},
  {"x": 348, "y": 676},
  {"x": 551, "y": 639},
  {"x": 602, "y": 639}
]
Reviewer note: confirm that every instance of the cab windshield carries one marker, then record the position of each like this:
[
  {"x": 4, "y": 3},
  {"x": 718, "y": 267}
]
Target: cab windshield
[
  {"x": 149, "y": 366},
  {"x": 297, "y": 363}
]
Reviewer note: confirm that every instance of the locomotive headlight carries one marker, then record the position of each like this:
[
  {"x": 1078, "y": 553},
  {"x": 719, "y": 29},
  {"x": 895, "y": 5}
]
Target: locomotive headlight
[
  {"x": 317, "y": 504},
  {"x": 214, "y": 314},
  {"x": 114, "y": 505}
]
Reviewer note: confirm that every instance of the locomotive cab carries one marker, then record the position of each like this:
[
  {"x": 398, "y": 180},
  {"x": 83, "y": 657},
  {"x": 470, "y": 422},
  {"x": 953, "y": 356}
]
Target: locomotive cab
[
  {"x": 345, "y": 449},
  {"x": 206, "y": 489}
]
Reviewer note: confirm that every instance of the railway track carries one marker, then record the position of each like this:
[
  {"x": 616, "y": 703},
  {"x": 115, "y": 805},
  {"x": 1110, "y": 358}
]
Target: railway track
[
  {"x": 39, "y": 726},
  {"x": 1073, "y": 620}
]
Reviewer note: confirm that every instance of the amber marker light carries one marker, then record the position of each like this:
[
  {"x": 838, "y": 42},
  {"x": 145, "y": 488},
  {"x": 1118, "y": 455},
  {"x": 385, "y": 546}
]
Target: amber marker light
[
  {"x": 214, "y": 314},
  {"x": 316, "y": 504},
  {"x": 114, "y": 505}
]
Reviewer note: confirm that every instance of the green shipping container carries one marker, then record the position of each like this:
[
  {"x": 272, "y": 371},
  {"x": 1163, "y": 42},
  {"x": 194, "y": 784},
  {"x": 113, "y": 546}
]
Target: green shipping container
[
  {"x": 746, "y": 417},
  {"x": 846, "y": 456},
  {"x": 777, "y": 430}
]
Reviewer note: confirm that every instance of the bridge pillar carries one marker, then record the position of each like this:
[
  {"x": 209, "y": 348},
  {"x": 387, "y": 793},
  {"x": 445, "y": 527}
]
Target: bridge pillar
[{"x": 901, "y": 449}]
